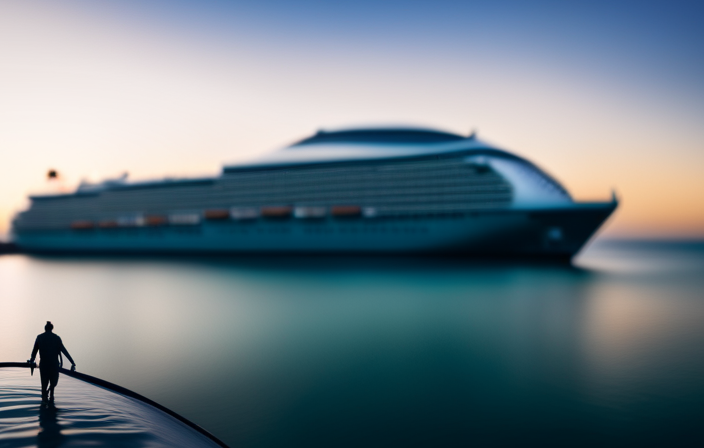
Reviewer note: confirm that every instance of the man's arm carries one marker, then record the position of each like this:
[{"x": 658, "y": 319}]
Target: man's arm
[
  {"x": 65, "y": 352},
  {"x": 34, "y": 350}
]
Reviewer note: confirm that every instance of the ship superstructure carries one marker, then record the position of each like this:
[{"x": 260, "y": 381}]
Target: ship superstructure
[{"x": 393, "y": 190}]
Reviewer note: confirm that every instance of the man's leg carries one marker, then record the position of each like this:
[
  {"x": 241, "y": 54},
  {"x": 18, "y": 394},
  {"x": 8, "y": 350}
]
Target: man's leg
[
  {"x": 53, "y": 381},
  {"x": 44, "y": 375}
]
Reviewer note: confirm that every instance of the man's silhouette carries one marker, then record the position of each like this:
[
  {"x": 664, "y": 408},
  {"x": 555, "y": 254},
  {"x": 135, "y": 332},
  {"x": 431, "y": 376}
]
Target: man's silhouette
[{"x": 50, "y": 348}]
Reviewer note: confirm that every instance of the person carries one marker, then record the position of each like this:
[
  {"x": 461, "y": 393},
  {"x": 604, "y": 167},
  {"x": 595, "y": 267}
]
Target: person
[{"x": 50, "y": 347}]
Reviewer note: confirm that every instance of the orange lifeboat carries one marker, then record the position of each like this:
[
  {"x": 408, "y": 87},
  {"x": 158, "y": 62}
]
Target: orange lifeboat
[
  {"x": 279, "y": 212},
  {"x": 155, "y": 220},
  {"x": 346, "y": 211},
  {"x": 82, "y": 225},
  {"x": 217, "y": 214},
  {"x": 109, "y": 224}
]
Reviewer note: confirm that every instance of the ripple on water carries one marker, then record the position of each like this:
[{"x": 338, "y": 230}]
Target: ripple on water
[{"x": 83, "y": 415}]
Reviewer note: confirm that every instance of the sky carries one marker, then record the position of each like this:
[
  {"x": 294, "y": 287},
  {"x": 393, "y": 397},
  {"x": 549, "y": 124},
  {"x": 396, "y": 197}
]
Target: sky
[{"x": 602, "y": 95}]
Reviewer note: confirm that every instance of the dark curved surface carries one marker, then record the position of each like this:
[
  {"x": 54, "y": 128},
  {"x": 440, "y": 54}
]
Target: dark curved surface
[
  {"x": 397, "y": 136},
  {"x": 123, "y": 391}
]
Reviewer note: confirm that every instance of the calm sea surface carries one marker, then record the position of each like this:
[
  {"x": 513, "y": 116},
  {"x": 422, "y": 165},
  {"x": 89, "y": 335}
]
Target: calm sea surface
[{"x": 319, "y": 352}]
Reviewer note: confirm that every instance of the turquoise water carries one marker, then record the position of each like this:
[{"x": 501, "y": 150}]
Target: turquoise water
[{"x": 268, "y": 352}]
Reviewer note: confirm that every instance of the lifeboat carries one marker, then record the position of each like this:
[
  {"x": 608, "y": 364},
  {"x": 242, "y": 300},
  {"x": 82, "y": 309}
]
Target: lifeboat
[
  {"x": 277, "y": 212},
  {"x": 216, "y": 214},
  {"x": 155, "y": 220},
  {"x": 346, "y": 211},
  {"x": 310, "y": 212},
  {"x": 244, "y": 213},
  {"x": 109, "y": 224},
  {"x": 184, "y": 219},
  {"x": 82, "y": 225}
]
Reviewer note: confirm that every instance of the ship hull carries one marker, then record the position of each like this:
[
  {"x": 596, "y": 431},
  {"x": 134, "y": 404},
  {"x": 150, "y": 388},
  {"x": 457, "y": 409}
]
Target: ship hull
[{"x": 557, "y": 232}]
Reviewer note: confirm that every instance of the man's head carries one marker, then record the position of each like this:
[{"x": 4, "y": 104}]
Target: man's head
[{"x": 49, "y": 326}]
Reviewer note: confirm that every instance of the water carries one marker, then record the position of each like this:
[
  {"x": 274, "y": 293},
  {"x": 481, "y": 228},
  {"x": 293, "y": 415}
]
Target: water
[
  {"x": 269, "y": 352},
  {"x": 87, "y": 415}
]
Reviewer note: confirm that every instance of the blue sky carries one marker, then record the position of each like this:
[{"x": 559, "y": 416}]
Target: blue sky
[{"x": 663, "y": 38}]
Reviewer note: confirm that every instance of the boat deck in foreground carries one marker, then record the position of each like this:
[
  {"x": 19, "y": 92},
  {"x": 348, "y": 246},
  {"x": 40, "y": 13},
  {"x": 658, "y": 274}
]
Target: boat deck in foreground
[{"x": 87, "y": 414}]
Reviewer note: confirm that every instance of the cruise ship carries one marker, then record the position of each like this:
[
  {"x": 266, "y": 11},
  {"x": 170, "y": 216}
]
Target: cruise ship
[{"x": 383, "y": 190}]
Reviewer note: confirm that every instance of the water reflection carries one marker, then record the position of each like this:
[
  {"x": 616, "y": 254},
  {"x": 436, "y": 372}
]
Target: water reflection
[{"x": 50, "y": 433}]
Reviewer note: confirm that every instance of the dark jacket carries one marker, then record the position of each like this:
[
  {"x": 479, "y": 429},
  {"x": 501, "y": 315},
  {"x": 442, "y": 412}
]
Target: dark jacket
[{"x": 50, "y": 347}]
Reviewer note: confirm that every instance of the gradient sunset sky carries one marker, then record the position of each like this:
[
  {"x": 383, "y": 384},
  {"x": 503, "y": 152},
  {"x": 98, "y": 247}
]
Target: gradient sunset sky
[{"x": 603, "y": 95}]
